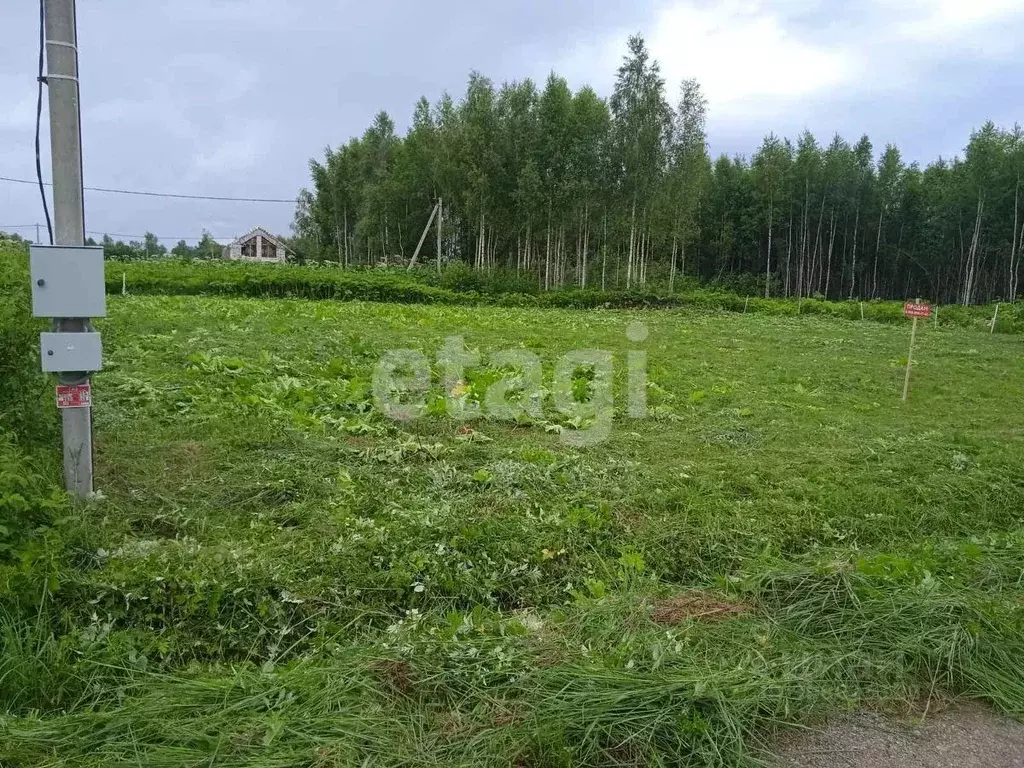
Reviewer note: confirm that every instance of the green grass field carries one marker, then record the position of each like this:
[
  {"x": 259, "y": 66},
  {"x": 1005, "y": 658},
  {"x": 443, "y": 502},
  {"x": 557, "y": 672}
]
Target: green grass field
[{"x": 278, "y": 575}]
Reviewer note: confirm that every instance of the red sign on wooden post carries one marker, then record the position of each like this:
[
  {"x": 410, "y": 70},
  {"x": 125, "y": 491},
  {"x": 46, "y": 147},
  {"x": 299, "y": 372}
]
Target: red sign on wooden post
[
  {"x": 913, "y": 309},
  {"x": 74, "y": 396}
]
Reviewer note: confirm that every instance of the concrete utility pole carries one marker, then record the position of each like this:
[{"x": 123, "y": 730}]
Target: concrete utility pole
[
  {"x": 440, "y": 220},
  {"x": 68, "y": 212},
  {"x": 426, "y": 229}
]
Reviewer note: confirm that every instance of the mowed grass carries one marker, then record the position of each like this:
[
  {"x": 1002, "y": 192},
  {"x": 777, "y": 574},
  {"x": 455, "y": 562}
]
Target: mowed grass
[{"x": 280, "y": 575}]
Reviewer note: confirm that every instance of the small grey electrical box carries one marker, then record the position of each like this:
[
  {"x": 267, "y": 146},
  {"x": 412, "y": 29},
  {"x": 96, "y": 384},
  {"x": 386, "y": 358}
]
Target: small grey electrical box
[
  {"x": 67, "y": 281},
  {"x": 64, "y": 352}
]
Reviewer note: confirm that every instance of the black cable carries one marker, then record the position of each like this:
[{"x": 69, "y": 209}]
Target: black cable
[
  {"x": 78, "y": 91},
  {"x": 39, "y": 117},
  {"x": 290, "y": 201},
  {"x": 162, "y": 238}
]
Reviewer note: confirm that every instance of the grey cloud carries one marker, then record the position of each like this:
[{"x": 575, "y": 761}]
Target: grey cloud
[{"x": 234, "y": 97}]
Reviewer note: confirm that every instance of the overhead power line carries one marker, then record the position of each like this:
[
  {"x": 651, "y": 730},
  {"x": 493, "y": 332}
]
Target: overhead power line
[
  {"x": 290, "y": 201},
  {"x": 165, "y": 238}
]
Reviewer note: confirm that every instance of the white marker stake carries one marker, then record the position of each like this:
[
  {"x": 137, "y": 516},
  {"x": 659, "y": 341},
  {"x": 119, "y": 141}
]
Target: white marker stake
[
  {"x": 910, "y": 360},
  {"x": 995, "y": 319},
  {"x": 915, "y": 310},
  {"x": 862, "y": 310},
  {"x": 745, "y": 303},
  {"x": 124, "y": 284}
]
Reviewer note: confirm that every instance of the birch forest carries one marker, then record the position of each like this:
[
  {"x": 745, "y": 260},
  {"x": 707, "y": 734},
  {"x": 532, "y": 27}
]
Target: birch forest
[{"x": 569, "y": 189}]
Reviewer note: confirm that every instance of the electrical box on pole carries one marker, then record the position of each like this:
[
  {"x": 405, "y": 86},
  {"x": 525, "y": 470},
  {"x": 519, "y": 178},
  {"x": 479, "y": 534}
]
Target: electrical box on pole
[
  {"x": 67, "y": 281},
  {"x": 71, "y": 352}
]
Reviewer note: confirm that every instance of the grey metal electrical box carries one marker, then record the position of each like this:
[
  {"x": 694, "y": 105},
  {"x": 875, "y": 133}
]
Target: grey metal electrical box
[
  {"x": 64, "y": 352},
  {"x": 67, "y": 281}
]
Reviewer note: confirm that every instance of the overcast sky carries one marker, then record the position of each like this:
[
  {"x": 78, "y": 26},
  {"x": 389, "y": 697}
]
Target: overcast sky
[{"x": 232, "y": 97}]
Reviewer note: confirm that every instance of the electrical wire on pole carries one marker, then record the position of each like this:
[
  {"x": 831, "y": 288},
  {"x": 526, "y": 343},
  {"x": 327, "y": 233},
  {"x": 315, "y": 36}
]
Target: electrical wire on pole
[
  {"x": 39, "y": 119},
  {"x": 170, "y": 195}
]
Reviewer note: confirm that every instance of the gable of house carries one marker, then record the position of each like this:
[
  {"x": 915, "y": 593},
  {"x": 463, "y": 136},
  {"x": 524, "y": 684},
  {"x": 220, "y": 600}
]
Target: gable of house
[{"x": 257, "y": 245}]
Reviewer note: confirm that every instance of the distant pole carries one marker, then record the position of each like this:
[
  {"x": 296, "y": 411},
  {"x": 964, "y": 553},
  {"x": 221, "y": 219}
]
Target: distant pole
[
  {"x": 37, "y": 233},
  {"x": 419, "y": 245},
  {"x": 68, "y": 212},
  {"x": 440, "y": 220},
  {"x": 862, "y": 310},
  {"x": 995, "y": 319},
  {"x": 936, "y": 310},
  {"x": 910, "y": 357}
]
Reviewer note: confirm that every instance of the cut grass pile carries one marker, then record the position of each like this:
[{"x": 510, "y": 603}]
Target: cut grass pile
[{"x": 280, "y": 576}]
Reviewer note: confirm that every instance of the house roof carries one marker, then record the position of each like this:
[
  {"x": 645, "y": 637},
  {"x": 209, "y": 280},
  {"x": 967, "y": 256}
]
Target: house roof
[{"x": 260, "y": 231}]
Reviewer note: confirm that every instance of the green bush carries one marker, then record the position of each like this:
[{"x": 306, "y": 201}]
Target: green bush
[
  {"x": 28, "y": 421},
  {"x": 33, "y": 661},
  {"x": 28, "y": 498},
  {"x": 23, "y": 407}
]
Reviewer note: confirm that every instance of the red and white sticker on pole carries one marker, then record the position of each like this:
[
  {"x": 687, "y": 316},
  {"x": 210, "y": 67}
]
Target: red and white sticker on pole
[{"x": 74, "y": 395}]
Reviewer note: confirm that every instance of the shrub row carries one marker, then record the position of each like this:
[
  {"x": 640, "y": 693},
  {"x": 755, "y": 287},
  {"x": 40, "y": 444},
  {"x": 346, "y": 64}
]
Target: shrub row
[
  {"x": 29, "y": 432},
  {"x": 457, "y": 285},
  {"x": 24, "y": 386}
]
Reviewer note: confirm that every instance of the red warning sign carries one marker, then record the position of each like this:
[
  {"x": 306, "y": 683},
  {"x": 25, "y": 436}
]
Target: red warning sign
[
  {"x": 74, "y": 396},
  {"x": 912, "y": 309}
]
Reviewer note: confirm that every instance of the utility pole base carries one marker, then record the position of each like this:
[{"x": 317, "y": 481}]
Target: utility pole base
[{"x": 78, "y": 451}]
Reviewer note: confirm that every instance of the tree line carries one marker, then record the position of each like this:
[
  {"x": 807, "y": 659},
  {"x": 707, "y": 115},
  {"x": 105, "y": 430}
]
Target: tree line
[
  {"x": 149, "y": 247},
  {"x": 571, "y": 189}
]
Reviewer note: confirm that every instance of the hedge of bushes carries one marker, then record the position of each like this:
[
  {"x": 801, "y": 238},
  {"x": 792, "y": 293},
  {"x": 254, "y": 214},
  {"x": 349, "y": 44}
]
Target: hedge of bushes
[
  {"x": 25, "y": 388},
  {"x": 317, "y": 282},
  {"x": 29, "y": 423}
]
